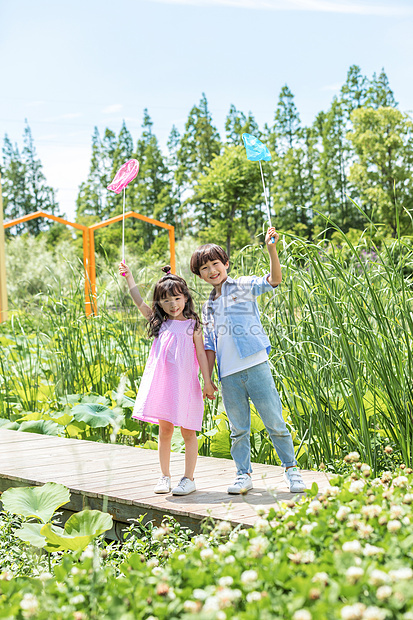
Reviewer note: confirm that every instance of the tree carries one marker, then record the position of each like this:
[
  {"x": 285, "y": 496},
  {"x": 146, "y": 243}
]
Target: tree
[
  {"x": 380, "y": 95},
  {"x": 231, "y": 188},
  {"x": 152, "y": 192},
  {"x": 92, "y": 200},
  {"x": 237, "y": 123},
  {"x": 24, "y": 186},
  {"x": 383, "y": 171},
  {"x": 292, "y": 185},
  {"x": 199, "y": 144}
]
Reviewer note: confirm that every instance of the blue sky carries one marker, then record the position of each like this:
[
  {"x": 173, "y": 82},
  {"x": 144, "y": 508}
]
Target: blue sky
[{"x": 67, "y": 67}]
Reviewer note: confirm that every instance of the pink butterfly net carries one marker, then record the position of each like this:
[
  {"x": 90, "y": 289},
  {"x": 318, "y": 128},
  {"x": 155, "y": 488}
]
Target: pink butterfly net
[{"x": 126, "y": 173}]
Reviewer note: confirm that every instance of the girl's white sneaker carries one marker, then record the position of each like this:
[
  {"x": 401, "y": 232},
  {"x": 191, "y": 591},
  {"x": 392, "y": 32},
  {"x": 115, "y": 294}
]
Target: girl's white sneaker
[
  {"x": 185, "y": 486},
  {"x": 163, "y": 485}
]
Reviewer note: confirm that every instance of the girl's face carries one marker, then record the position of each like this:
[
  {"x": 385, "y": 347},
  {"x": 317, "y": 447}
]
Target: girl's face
[{"x": 173, "y": 306}]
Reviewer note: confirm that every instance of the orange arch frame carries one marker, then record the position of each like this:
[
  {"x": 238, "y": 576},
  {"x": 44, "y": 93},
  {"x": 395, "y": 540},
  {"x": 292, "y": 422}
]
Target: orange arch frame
[{"x": 88, "y": 233}]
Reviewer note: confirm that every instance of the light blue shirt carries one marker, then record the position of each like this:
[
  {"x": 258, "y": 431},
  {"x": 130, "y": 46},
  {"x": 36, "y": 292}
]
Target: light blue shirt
[{"x": 240, "y": 316}]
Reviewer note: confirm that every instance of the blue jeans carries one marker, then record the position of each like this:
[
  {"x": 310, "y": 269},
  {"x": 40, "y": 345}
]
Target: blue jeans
[{"x": 257, "y": 384}]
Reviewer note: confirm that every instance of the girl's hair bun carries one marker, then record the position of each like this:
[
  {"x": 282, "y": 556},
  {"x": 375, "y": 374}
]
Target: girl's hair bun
[{"x": 166, "y": 269}]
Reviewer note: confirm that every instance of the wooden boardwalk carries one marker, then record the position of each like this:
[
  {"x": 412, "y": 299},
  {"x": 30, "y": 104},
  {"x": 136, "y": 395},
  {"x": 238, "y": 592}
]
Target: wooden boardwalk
[{"x": 122, "y": 478}]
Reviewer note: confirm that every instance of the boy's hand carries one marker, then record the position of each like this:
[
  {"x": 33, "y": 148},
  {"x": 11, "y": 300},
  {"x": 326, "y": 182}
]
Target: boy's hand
[
  {"x": 209, "y": 391},
  {"x": 271, "y": 234},
  {"x": 124, "y": 270}
]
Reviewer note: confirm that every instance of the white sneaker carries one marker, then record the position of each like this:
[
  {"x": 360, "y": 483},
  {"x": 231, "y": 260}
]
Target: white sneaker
[
  {"x": 294, "y": 481},
  {"x": 185, "y": 486},
  {"x": 242, "y": 484},
  {"x": 163, "y": 485}
]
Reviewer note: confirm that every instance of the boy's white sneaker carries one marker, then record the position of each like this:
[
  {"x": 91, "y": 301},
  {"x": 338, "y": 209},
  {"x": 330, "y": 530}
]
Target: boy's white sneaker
[
  {"x": 294, "y": 480},
  {"x": 242, "y": 484},
  {"x": 185, "y": 486},
  {"x": 163, "y": 485}
]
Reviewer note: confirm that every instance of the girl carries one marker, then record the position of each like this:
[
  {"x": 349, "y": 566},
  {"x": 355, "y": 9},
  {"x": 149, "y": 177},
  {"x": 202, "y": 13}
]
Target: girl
[{"x": 170, "y": 394}]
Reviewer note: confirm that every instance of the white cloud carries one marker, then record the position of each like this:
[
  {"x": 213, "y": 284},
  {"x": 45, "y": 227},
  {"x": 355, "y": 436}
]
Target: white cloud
[
  {"x": 361, "y": 7},
  {"x": 331, "y": 87},
  {"x": 112, "y": 109},
  {"x": 70, "y": 115}
]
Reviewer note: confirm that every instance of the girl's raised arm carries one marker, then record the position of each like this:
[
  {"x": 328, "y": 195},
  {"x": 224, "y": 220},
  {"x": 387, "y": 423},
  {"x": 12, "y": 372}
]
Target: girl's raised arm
[{"x": 134, "y": 291}]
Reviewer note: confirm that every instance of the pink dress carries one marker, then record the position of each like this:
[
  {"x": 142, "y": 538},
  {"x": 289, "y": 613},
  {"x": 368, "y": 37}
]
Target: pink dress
[{"x": 170, "y": 389}]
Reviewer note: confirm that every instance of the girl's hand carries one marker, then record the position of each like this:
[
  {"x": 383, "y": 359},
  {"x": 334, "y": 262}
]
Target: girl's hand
[
  {"x": 271, "y": 234},
  {"x": 124, "y": 270},
  {"x": 209, "y": 391}
]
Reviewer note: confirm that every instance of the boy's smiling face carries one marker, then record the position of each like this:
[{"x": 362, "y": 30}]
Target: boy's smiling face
[{"x": 214, "y": 272}]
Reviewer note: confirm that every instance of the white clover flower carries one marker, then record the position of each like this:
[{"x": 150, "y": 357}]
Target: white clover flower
[
  {"x": 408, "y": 498},
  {"x": 372, "y": 550},
  {"x": 378, "y": 577},
  {"x": 152, "y": 562},
  {"x": 314, "y": 507},
  {"x": 365, "y": 467},
  {"x": 249, "y": 576},
  {"x": 376, "y": 482},
  {"x": 353, "y": 612},
  {"x": 406, "y": 520},
  {"x": 87, "y": 553},
  {"x": 400, "y": 481},
  {"x": 262, "y": 525},
  {"x": 157, "y": 570},
  {"x": 221, "y": 615},
  {"x": 261, "y": 511},
  {"x": 321, "y": 578},
  {"x": 302, "y": 614},
  {"x": 191, "y": 606},
  {"x": 342, "y": 513},
  {"x": 396, "y": 511},
  {"x": 401, "y": 574},
  {"x": 225, "y": 597},
  {"x": 352, "y": 457},
  {"x": 258, "y": 546},
  {"x": 225, "y": 581},
  {"x": 374, "y": 613},
  {"x": 352, "y": 546},
  {"x": 200, "y": 594},
  {"x": 364, "y": 529},
  {"x": 199, "y": 541},
  {"x": 45, "y": 577},
  {"x": 357, "y": 486},
  {"x": 371, "y": 511},
  {"x": 206, "y": 554},
  {"x": 158, "y": 533},
  {"x": 386, "y": 477},
  {"x": 308, "y": 557},
  {"x": 296, "y": 557},
  {"x": 353, "y": 574},
  {"x": 75, "y": 570},
  {"x": 308, "y": 527},
  {"x": 229, "y": 559},
  {"x": 408, "y": 615},
  {"x": 332, "y": 491},
  {"x": 394, "y": 526},
  {"x": 77, "y": 600},
  {"x": 253, "y": 596},
  {"x": 181, "y": 557},
  {"x": 224, "y": 527},
  {"x": 29, "y": 605},
  {"x": 384, "y": 592},
  {"x": 211, "y": 604}
]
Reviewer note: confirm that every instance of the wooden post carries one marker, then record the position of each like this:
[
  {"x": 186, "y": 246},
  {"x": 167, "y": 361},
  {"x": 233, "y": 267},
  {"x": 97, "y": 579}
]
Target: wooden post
[{"x": 3, "y": 288}]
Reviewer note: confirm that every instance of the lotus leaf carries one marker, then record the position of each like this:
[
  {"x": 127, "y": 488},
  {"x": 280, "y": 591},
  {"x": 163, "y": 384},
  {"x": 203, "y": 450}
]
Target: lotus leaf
[
  {"x": 94, "y": 415},
  {"x": 80, "y": 529},
  {"x": 40, "y": 502}
]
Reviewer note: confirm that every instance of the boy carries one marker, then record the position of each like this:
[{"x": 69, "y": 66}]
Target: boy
[{"x": 234, "y": 334}]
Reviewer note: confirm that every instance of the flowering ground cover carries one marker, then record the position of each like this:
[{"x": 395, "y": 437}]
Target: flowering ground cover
[{"x": 345, "y": 554}]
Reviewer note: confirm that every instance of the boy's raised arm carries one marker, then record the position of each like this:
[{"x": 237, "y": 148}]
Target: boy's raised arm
[
  {"x": 275, "y": 276},
  {"x": 134, "y": 291}
]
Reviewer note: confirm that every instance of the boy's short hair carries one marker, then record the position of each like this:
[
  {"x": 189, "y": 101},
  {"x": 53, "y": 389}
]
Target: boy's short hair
[{"x": 207, "y": 252}]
